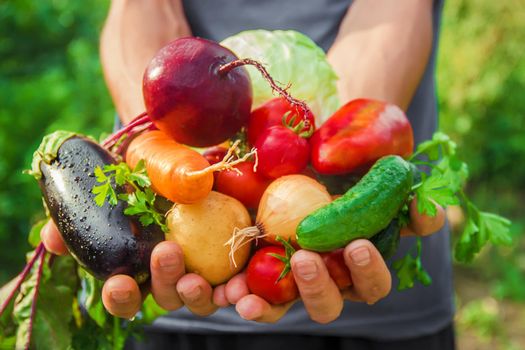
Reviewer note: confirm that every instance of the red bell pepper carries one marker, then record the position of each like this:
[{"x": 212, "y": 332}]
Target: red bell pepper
[{"x": 358, "y": 134}]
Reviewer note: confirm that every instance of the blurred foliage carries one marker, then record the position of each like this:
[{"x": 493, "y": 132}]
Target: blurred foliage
[
  {"x": 50, "y": 78},
  {"x": 481, "y": 324},
  {"x": 481, "y": 81},
  {"x": 483, "y": 317}
]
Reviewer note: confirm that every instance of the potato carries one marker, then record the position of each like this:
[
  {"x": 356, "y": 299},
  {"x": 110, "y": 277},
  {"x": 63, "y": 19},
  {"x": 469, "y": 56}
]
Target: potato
[{"x": 202, "y": 229}]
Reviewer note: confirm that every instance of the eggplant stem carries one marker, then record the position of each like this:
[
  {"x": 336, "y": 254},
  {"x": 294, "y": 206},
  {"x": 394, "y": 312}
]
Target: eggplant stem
[
  {"x": 226, "y": 68},
  {"x": 22, "y": 277},
  {"x": 35, "y": 297},
  {"x": 112, "y": 139}
]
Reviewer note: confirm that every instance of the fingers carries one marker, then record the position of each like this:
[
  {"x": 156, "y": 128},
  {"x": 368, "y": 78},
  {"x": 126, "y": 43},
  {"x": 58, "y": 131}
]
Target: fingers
[
  {"x": 254, "y": 308},
  {"x": 236, "y": 288},
  {"x": 421, "y": 224},
  {"x": 121, "y": 296},
  {"x": 219, "y": 296},
  {"x": 52, "y": 239},
  {"x": 370, "y": 275},
  {"x": 196, "y": 293},
  {"x": 167, "y": 267},
  {"x": 319, "y": 293}
]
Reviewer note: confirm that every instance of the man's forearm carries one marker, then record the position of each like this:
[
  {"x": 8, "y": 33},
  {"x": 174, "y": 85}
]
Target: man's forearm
[
  {"x": 382, "y": 49},
  {"x": 134, "y": 31}
]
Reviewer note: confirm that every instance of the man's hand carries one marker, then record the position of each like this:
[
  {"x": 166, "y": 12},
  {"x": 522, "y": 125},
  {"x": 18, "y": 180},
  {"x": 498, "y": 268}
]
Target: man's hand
[
  {"x": 321, "y": 297},
  {"x": 171, "y": 287}
]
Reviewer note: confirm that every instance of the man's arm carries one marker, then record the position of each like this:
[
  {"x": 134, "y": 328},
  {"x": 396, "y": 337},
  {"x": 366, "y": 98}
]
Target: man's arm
[
  {"x": 382, "y": 49},
  {"x": 134, "y": 31}
]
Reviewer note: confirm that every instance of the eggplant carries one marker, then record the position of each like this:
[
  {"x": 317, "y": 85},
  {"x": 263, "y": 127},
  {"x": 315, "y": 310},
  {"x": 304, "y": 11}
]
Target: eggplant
[{"x": 103, "y": 240}]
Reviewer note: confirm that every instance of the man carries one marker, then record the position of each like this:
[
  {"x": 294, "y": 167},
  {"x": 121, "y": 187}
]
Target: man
[{"x": 380, "y": 49}]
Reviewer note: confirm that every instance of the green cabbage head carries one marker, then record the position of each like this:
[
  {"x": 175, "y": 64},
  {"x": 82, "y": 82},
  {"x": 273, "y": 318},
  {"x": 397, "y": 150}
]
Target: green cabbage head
[{"x": 290, "y": 57}]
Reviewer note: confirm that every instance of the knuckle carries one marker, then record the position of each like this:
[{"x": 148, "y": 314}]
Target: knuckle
[
  {"x": 169, "y": 304},
  {"x": 203, "y": 311},
  {"x": 324, "y": 318},
  {"x": 376, "y": 293},
  {"x": 312, "y": 291}
]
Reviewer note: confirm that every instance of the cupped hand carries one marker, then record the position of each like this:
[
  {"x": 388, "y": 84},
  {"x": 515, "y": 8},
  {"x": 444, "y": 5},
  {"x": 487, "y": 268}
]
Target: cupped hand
[
  {"x": 171, "y": 287},
  {"x": 322, "y": 299}
]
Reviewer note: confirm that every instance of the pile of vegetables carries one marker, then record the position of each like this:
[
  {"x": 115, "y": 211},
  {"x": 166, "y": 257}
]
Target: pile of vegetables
[{"x": 238, "y": 178}]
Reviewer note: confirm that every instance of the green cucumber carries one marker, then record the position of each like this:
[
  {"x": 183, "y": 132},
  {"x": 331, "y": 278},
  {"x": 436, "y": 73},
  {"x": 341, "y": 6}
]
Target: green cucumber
[
  {"x": 363, "y": 211},
  {"x": 387, "y": 240}
]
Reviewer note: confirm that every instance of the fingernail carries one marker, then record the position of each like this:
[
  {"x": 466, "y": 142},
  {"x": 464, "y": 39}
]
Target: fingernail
[
  {"x": 120, "y": 296},
  {"x": 192, "y": 294},
  {"x": 168, "y": 261},
  {"x": 360, "y": 256},
  {"x": 307, "y": 270},
  {"x": 248, "y": 311}
]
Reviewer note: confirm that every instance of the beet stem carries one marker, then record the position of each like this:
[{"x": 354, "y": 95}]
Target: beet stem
[
  {"x": 22, "y": 277},
  {"x": 226, "y": 68},
  {"x": 141, "y": 119},
  {"x": 35, "y": 297}
]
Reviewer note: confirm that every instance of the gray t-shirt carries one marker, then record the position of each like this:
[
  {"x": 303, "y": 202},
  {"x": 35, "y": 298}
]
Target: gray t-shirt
[{"x": 410, "y": 313}]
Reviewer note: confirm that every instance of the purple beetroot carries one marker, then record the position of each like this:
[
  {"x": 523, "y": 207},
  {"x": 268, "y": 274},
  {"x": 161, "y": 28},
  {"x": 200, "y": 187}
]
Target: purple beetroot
[{"x": 188, "y": 98}]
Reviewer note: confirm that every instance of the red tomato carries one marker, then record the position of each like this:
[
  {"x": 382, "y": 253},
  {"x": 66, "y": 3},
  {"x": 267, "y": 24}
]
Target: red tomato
[
  {"x": 270, "y": 114},
  {"x": 262, "y": 274},
  {"x": 215, "y": 154},
  {"x": 281, "y": 152},
  {"x": 248, "y": 188},
  {"x": 337, "y": 269}
]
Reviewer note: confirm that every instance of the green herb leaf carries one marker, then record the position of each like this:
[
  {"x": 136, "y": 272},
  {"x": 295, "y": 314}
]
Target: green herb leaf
[
  {"x": 7, "y": 325},
  {"x": 99, "y": 174},
  {"x": 105, "y": 189},
  {"x": 454, "y": 171},
  {"x": 91, "y": 298},
  {"x": 480, "y": 228},
  {"x": 444, "y": 187},
  {"x": 496, "y": 227},
  {"x": 52, "y": 322},
  {"x": 22, "y": 310},
  {"x": 52, "y": 325},
  {"x": 469, "y": 242},
  {"x": 7, "y": 342},
  {"x": 151, "y": 310},
  {"x": 440, "y": 143},
  {"x": 434, "y": 189},
  {"x": 409, "y": 269},
  {"x": 34, "y": 233},
  {"x": 139, "y": 175},
  {"x": 141, "y": 202}
]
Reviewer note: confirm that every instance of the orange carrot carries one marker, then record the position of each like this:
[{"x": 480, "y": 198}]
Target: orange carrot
[{"x": 176, "y": 171}]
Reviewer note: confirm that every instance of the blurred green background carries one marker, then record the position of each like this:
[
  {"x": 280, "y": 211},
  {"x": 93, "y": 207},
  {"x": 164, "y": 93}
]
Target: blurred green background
[{"x": 50, "y": 78}]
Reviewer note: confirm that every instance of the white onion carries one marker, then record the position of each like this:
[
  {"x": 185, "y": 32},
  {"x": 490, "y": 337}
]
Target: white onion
[{"x": 286, "y": 202}]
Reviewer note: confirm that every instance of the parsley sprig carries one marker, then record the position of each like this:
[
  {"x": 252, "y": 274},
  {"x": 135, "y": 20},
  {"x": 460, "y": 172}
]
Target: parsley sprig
[
  {"x": 409, "y": 269},
  {"x": 141, "y": 201},
  {"x": 443, "y": 185}
]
